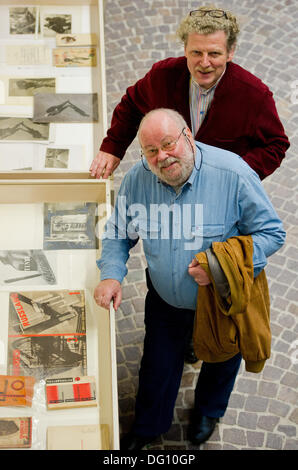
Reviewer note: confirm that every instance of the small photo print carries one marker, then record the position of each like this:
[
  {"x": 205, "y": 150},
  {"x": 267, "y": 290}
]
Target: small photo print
[
  {"x": 22, "y": 20},
  {"x": 76, "y": 39},
  {"x": 30, "y": 86},
  {"x": 23, "y": 129},
  {"x": 56, "y": 24},
  {"x": 74, "y": 57},
  {"x": 69, "y": 226},
  {"x": 65, "y": 107},
  {"x": 56, "y": 158}
]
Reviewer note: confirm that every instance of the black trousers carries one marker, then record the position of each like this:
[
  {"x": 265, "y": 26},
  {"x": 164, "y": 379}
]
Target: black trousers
[{"x": 167, "y": 331}]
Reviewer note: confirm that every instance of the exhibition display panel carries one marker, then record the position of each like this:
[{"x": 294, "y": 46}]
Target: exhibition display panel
[{"x": 58, "y": 380}]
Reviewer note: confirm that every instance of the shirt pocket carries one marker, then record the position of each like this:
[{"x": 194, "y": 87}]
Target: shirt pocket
[
  {"x": 215, "y": 231},
  {"x": 202, "y": 236}
]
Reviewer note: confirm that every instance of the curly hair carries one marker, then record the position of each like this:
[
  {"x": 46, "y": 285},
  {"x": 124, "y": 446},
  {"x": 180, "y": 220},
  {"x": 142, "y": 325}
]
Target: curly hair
[{"x": 207, "y": 25}]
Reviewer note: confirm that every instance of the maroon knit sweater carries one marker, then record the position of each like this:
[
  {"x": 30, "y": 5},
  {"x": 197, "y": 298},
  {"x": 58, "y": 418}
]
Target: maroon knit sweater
[{"x": 242, "y": 117}]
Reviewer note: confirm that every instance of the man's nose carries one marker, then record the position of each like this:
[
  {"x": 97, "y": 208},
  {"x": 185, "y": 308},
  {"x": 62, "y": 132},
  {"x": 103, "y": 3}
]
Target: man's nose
[
  {"x": 162, "y": 155},
  {"x": 205, "y": 61}
]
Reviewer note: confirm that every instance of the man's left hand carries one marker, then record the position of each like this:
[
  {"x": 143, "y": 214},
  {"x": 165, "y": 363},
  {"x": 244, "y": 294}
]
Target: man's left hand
[{"x": 198, "y": 273}]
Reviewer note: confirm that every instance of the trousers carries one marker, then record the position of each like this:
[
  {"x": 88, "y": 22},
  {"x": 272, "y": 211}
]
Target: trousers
[{"x": 167, "y": 331}]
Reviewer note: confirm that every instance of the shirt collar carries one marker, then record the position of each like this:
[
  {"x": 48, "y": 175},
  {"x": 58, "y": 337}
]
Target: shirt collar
[{"x": 202, "y": 90}]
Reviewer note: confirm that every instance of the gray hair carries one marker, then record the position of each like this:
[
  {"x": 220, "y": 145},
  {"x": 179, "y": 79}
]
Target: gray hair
[{"x": 171, "y": 113}]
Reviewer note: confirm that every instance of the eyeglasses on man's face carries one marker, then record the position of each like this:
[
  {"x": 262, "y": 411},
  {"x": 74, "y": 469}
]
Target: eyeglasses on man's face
[
  {"x": 212, "y": 13},
  {"x": 166, "y": 145}
]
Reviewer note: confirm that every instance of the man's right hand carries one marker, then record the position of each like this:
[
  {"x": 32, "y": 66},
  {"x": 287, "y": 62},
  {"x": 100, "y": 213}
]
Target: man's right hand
[
  {"x": 198, "y": 273},
  {"x": 103, "y": 165},
  {"x": 106, "y": 291}
]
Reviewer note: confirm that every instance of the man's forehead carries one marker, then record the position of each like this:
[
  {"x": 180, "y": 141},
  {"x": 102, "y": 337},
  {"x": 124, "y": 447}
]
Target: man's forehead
[
  {"x": 218, "y": 38},
  {"x": 160, "y": 119},
  {"x": 158, "y": 126}
]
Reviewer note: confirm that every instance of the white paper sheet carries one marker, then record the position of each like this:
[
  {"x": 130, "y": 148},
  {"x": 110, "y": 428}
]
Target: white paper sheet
[{"x": 18, "y": 156}]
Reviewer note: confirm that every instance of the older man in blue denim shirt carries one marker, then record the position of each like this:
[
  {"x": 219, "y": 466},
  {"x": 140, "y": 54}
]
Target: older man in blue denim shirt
[{"x": 182, "y": 197}]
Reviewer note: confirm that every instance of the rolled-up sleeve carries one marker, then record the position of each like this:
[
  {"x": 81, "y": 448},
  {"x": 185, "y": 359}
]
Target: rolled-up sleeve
[{"x": 258, "y": 218}]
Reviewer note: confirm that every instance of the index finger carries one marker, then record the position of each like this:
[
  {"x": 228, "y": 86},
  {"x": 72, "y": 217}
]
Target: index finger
[{"x": 193, "y": 263}]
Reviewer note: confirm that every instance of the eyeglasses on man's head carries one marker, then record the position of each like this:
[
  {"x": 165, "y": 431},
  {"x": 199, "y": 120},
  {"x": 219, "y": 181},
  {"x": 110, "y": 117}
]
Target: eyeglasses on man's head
[{"x": 212, "y": 13}]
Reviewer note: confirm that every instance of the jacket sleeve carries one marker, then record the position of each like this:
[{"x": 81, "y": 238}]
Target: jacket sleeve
[
  {"x": 269, "y": 141},
  {"x": 137, "y": 101}
]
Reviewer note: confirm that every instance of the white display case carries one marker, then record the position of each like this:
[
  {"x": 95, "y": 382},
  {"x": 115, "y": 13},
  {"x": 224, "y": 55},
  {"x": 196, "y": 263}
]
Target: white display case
[
  {"x": 25, "y": 56},
  {"x": 22, "y": 196},
  {"x": 48, "y": 162}
]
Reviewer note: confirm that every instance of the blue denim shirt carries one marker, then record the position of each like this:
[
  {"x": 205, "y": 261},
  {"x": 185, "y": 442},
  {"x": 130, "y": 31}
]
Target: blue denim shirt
[{"x": 223, "y": 197}]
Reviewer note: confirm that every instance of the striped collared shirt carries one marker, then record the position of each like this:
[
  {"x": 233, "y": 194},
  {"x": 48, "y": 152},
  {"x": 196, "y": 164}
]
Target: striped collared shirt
[{"x": 199, "y": 102}]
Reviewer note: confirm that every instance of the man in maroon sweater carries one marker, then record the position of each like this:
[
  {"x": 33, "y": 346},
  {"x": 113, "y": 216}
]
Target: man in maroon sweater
[{"x": 224, "y": 104}]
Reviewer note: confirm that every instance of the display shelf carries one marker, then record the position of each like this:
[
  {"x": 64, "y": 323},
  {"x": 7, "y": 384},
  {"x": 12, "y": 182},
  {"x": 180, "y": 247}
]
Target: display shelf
[
  {"x": 21, "y": 198},
  {"x": 20, "y": 187}
]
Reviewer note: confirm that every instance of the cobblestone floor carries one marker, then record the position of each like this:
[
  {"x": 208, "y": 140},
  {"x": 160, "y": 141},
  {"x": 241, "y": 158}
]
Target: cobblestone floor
[{"x": 263, "y": 412}]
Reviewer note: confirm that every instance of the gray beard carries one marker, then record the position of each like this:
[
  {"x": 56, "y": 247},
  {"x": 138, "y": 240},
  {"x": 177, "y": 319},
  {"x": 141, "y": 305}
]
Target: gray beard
[{"x": 186, "y": 169}]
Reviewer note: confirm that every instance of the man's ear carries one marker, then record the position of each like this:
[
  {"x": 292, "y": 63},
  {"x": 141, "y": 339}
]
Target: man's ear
[
  {"x": 231, "y": 53},
  {"x": 187, "y": 132},
  {"x": 189, "y": 137}
]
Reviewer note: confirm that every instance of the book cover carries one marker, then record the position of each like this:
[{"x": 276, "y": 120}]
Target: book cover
[
  {"x": 15, "y": 432},
  {"x": 16, "y": 390},
  {"x": 70, "y": 226},
  {"x": 47, "y": 333},
  {"x": 70, "y": 392}
]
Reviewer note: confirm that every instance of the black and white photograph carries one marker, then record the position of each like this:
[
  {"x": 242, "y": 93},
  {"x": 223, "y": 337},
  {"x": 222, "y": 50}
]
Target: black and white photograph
[
  {"x": 65, "y": 107},
  {"x": 26, "y": 267},
  {"x": 22, "y": 20},
  {"x": 56, "y": 23},
  {"x": 76, "y": 39},
  {"x": 70, "y": 226},
  {"x": 30, "y": 86},
  {"x": 56, "y": 158},
  {"x": 23, "y": 129}
]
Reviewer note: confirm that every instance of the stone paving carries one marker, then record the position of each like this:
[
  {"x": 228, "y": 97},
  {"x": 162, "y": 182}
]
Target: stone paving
[{"x": 263, "y": 411}]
